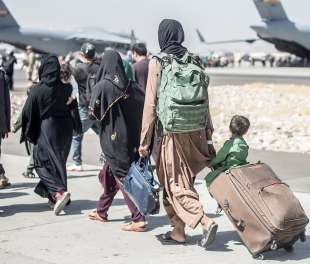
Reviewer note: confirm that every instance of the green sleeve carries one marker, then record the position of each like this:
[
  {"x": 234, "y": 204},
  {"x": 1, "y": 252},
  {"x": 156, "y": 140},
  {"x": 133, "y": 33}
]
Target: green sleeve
[
  {"x": 221, "y": 154},
  {"x": 128, "y": 70},
  {"x": 238, "y": 154}
]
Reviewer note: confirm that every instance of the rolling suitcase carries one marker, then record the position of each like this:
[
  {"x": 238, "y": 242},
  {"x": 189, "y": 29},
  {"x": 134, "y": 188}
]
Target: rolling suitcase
[{"x": 264, "y": 210}]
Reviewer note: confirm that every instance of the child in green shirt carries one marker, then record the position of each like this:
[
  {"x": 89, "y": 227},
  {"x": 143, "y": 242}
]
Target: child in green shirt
[{"x": 235, "y": 150}]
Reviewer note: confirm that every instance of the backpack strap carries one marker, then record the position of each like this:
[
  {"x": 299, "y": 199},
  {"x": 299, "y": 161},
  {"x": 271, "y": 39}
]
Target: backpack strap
[{"x": 163, "y": 58}]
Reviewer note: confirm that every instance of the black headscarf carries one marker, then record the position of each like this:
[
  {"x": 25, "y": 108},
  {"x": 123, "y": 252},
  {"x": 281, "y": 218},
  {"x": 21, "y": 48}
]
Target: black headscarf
[
  {"x": 171, "y": 37},
  {"x": 49, "y": 82},
  {"x": 41, "y": 99},
  {"x": 118, "y": 103},
  {"x": 112, "y": 69}
]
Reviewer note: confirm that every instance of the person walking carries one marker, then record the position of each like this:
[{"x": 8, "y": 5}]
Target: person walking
[
  {"x": 5, "y": 121},
  {"x": 188, "y": 148},
  {"x": 29, "y": 172},
  {"x": 30, "y": 64},
  {"x": 118, "y": 104},
  {"x": 84, "y": 74},
  {"x": 141, "y": 65},
  {"x": 47, "y": 123},
  {"x": 9, "y": 69}
]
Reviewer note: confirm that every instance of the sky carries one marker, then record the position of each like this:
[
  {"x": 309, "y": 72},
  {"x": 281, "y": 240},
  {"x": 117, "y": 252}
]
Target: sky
[{"x": 216, "y": 19}]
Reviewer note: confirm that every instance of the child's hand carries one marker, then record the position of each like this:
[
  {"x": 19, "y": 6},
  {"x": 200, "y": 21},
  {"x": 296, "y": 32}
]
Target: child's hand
[{"x": 212, "y": 150}]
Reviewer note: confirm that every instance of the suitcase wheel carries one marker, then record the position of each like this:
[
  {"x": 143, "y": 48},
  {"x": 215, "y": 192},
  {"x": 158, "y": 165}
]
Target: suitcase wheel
[
  {"x": 289, "y": 248},
  {"x": 274, "y": 245},
  {"x": 259, "y": 256},
  {"x": 303, "y": 237}
]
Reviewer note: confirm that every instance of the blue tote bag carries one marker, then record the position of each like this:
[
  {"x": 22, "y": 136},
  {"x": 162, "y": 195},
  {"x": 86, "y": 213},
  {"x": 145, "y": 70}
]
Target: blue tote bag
[{"x": 141, "y": 187}]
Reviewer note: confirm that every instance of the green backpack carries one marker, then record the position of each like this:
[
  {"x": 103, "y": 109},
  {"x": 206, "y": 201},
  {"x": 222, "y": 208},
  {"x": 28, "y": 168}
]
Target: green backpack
[{"x": 183, "y": 94}]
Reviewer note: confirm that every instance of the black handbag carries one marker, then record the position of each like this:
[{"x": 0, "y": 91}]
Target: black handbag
[{"x": 142, "y": 188}]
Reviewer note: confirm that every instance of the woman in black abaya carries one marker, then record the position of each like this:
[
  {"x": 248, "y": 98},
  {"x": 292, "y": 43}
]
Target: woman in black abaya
[
  {"x": 118, "y": 104},
  {"x": 47, "y": 123}
]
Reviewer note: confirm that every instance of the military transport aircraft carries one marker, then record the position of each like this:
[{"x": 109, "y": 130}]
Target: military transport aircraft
[
  {"x": 55, "y": 41},
  {"x": 277, "y": 29}
]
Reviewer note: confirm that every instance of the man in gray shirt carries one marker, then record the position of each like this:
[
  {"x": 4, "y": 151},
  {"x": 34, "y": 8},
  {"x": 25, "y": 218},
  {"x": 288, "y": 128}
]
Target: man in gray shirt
[{"x": 141, "y": 65}]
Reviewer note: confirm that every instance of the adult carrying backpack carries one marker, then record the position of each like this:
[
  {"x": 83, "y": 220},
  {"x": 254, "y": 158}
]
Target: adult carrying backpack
[{"x": 183, "y": 94}]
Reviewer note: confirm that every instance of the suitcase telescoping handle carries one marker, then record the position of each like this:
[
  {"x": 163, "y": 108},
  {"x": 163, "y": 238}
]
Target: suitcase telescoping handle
[{"x": 238, "y": 223}]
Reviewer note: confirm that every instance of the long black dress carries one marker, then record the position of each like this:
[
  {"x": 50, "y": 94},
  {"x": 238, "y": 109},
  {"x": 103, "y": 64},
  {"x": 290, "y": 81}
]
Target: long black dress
[{"x": 47, "y": 123}]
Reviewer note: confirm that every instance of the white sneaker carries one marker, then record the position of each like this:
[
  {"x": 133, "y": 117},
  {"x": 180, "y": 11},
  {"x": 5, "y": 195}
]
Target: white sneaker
[{"x": 74, "y": 167}]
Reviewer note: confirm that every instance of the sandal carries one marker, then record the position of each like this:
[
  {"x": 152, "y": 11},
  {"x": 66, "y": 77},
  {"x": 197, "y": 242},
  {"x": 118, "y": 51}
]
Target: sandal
[
  {"x": 135, "y": 227},
  {"x": 167, "y": 239},
  {"x": 96, "y": 217},
  {"x": 208, "y": 236}
]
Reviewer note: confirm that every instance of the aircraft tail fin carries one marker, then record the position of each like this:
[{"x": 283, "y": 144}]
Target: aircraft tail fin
[
  {"x": 6, "y": 18},
  {"x": 133, "y": 37},
  {"x": 200, "y": 36},
  {"x": 271, "y": 10}
]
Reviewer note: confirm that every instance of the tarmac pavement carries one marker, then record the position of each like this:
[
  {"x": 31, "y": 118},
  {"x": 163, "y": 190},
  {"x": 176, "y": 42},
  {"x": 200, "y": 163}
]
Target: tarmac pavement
[{"x": 31, "y": 234}]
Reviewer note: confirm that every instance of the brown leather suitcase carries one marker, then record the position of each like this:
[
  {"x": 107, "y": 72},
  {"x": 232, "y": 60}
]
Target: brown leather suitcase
[{"x": 264, "y": 210}]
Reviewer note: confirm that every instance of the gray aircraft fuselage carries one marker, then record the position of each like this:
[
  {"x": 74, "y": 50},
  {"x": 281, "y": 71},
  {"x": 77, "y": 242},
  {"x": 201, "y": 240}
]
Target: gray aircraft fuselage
[
  {"x": 286, "y": 36},
  {"x": 58, "y": 42},
  {"x": 279, "y": 30},
  {"x": 43, "y": 41}
]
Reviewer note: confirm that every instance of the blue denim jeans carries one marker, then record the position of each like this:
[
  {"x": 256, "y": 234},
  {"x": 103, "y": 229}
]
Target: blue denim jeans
[{"x": 87, "y": 123}]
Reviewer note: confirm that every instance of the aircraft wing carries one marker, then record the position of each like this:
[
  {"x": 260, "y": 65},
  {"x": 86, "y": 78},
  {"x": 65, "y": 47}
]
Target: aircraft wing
[
  {"x": 250, "y": 41},
  {"x": 202, "y": 39},
  {"x": 100, "y": 37}
]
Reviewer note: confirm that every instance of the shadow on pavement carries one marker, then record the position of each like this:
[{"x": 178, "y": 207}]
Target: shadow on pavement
[
  {"x": 225, "y": 239},
  {"x": 12, "y": 195},
  {"x": 162, "y": 220},
  {"x": 78, "y": 206},
  {"x": 22, "y": 185},
  {"x": 301, "y": 252},
  {"x": 24, "y": 208},
  {"x": 222, "y": 243},
  {"x": 157, "y": 221}
]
